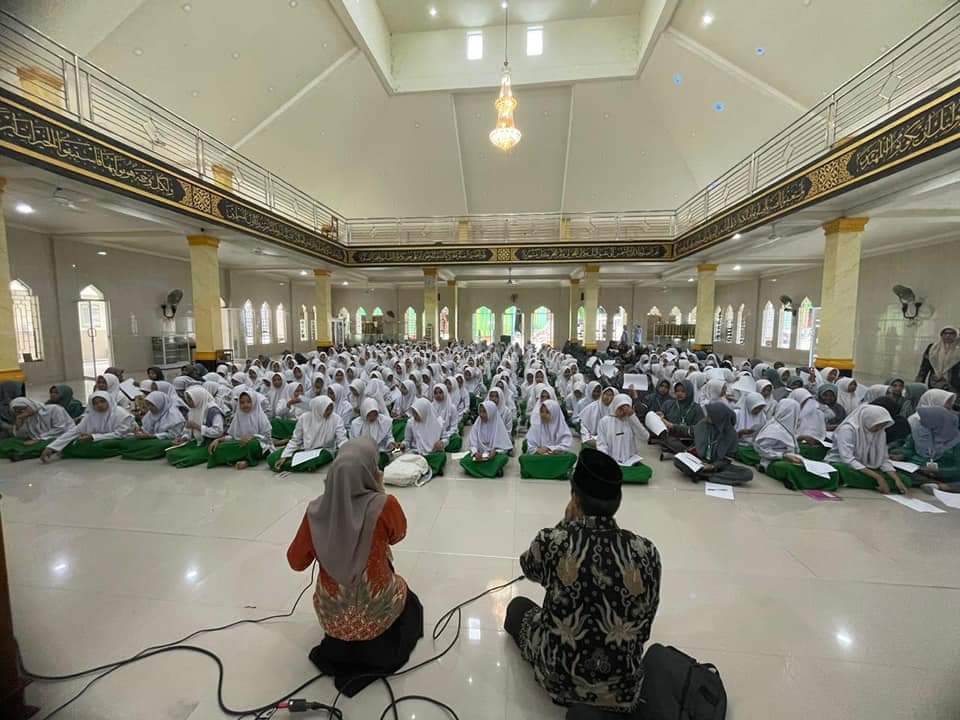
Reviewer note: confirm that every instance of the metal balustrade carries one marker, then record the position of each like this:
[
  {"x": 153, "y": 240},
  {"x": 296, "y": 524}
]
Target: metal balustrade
[{"x": 36, "y": 67}]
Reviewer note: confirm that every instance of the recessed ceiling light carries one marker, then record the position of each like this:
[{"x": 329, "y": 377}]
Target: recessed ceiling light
[
  {"x": 23, "y": 208},
  {"x": 293, "y": 3},
  {"x": 707, "y": 19},
  {"x": 186, "y": 7},
  {"x": 101, "y": 252},
  {"x": 689, "y": 279},
  {"x": 433, "y": 12},
  {"x": 774, "y": 280},
  {"x": 736, "y": 267},
  {"x": 138, "y": 51},
  {"x": 719, "y": 106},
  {"x": 606, "y": 116},
  {"x": 504, "y": 4},
  {"x": 195, "y": 93},
  {"x": 303, "y": 272},
  {"x": 760, "y": 51},
  {"x": 233, "y": 118},
  {"x": 235, "y": 55},
  {"x": 416, "y": 124},
  {"x": 678, "y": 79},
  {"x": 737, "y": 236},
  {"x": 345, "y": 283},
  {"x": 806, "y": 3}
]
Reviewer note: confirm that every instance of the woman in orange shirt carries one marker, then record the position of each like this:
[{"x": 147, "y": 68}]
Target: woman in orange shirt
[{"x": 371, "y": 619}]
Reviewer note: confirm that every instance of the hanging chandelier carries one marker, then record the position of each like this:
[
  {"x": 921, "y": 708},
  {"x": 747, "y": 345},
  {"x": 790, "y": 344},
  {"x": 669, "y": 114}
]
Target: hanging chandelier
[{"x": 505, "y": 135}]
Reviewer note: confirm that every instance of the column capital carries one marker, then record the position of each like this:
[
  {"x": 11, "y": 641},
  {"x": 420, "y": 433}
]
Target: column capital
[
  {"x": 574, "y": 282},
  {"x": 430, "y": 272},
  {"x": 203, "y": 240},
  {"x": 451, "y": 283},
  {"x": 707, "y": 267},
  {"x": 317, "y": 272},
  {"x": 591, "y": 268},
  {"x": 845, "y": 224}
]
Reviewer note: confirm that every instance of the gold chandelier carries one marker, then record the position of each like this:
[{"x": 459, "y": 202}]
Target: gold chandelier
[{"x": 505, "y": 135}]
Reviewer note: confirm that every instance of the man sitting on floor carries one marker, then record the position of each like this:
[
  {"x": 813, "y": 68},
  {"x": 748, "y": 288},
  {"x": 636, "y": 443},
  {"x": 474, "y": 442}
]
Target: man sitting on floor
[{"x": 603, "y": 587}]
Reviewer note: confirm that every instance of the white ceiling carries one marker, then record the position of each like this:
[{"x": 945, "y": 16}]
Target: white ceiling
[
  {"x": 312, "y": 109},
  {"x": 404, "y": 16}
]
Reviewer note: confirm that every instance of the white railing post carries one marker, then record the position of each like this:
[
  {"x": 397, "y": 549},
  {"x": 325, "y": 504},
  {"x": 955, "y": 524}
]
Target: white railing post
[
  {"x": 76, "y": 92},
  {"x": 201, "y": 162},
  {"x": 268, "y": 191},
  {"x": 832, "y": 120}
]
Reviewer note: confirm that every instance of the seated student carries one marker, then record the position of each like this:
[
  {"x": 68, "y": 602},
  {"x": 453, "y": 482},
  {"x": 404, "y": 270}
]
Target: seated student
[
  {"x": 779, "y": 451},
  {"x": 34, "y": 426},
  {"x": 407, "y": 394},
  {"x": 574, "y": 403},
  {"x": 680, "y": 416},
  {"x": 592, "y": 415},
  {"x": 765, "y": 388},
  {"x": 205, "y": 423},
  {"x": 95, "y": 436},
  {"x": 832, "y": 410},
  {"x": 899, "y": 431},
  {"x": 375, "y": 425},
  {"x": 110, "y": 384},
  {"x": 934, "y": 445},
  {"x": 659, "y": 398},
  {"x": 849, "y": 394},
  {"x": 62, "y": 395},
  {"x": 715, "y": 442},
  {"x": 161, "y": 426},
  {"x": 602, "y": 591},
  {"x": 859, "y": 451},
  {"x": 547, "y": 454},
  {"x": 620, "y": 435},
  {"x": 912, "y": 392},
  {"x": 751, "y": 417},
  {"x": 156, "y": 374},
  {"x": 446, "y": 415},
  {"x": 248, "y": 438},
  {"x": 489, "y": 444},
  {"x": 507, "y": 414},
  {"x": 813, "y": 427},
  {"x": 320, "y": 428},
  {"x": 423, "y": 436},
  {"x": 371, "y": 620}
]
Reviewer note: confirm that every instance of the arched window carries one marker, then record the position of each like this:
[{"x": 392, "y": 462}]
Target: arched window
[
  {"x": 444, "y": 323},
  {"x": 225, "y": 324},
  {"x": 741, "y": 324},
  {"x": 805, "y": 325},
  {"x": 483, "y": 324},
  {"x": 786, "y": 327},
  {"x": 541, "y": 327},
  {"x": 304, "y": 319},
  {"x": 581, "y": 322},
  {"x": 718, "y": 324},
  {"x": 676, "y": 316},
  {"x": 513, "y": 323},
  {"x": 361, "y": 316},
  {"x": 26, "y": 320},
  {"x": 410, "y": 324},
  {"x": 619, "y": 323},
  {"x": 247, "y": 317},
  {"x": 265, "y": 338},
  {"x": 655, "y": 311},
  {"x": 281, "y": 319},
  {"x": 692, "y": 316},
  {"x": 766, "y": 330},
  {"x": 91, "y": 292},
  {"x": 728, "y": 324},
  {"x": 377, "y": 312},
  {"x": 601, "y": 323}
]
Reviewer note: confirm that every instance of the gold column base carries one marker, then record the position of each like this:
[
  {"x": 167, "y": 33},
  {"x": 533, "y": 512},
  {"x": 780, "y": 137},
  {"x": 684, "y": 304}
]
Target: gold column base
[
  {"x": 17, "y": 374},
  {"x": 707, "y": 347},
  {"x": 590, "y": 346},
  {"x": 211, "y": 355},
  {"x": 838, "y": 363}
]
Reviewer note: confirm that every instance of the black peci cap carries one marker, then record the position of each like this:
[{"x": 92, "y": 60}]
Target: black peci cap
[{"x": 597, "y": 476}]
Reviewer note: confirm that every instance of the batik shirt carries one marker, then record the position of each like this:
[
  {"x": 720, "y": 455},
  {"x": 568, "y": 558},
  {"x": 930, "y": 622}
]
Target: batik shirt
[{"x": 603, "y": 587}]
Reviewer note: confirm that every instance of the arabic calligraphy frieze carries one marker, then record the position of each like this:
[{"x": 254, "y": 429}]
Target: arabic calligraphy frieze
[
  {"x": 590, "y": 253},
  {"x": 93, "y": 159},
  {"x": 421, "y": 256}
]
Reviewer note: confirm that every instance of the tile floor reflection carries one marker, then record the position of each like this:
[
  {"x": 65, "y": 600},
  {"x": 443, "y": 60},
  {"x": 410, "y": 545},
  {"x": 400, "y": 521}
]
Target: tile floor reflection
[{"x": 828, "y": 610}]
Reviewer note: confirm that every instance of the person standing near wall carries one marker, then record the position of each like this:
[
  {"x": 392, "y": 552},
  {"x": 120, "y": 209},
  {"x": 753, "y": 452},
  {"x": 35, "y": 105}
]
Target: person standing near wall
[{"x": 941, "y": 362}]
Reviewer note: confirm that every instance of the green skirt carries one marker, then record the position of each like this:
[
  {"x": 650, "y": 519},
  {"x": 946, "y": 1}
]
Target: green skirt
[
  {"x": 94, "y": 450},
  {"x": 282, "y": 429},
  {"x": 144, "y": 448},
  {"x": 748, "y": 455},
  {"x": 319, "y": 461},
  {"x": 230, "y": 452},
  {"x": 189, "y": 455},
  {"x": 795, "y": 477},
  {"x": 17, "y": 449},
  {"x": 813, "y": 452},
  {"x": 855, "y": 479},
  {"x": 547, "y": 467},
  {"x": 399, "y": 429},
  {"x": 638, "y": 474},
  {"x": 454, "y": 444},
  {"x": 436, "y": 461},
  {"x": 490, "y": 469}
]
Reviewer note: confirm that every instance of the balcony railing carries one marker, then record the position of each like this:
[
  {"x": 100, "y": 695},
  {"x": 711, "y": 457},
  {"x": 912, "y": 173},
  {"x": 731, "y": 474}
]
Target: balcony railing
[{"x": 34, "y": 66}]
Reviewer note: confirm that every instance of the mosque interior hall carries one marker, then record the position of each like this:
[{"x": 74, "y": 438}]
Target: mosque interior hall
[{"x": 299, "y": 298}]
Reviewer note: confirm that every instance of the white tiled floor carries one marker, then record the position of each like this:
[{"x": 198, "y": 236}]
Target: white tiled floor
[{"x": 810, "y": 610}]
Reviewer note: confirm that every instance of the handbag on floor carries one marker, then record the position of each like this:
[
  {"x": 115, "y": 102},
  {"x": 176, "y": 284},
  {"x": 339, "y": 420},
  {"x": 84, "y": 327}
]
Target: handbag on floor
[
  {"x": 677, "y": 687},
  {"x": 408, "y": 469}
]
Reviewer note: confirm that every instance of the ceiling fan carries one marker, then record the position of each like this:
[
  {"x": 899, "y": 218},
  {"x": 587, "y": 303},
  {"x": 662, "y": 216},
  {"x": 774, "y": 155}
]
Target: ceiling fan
[{"x": 510, "y": 280}]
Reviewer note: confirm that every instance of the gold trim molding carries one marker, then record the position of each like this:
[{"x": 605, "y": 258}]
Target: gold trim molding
[{"x": 845, "y": 224}]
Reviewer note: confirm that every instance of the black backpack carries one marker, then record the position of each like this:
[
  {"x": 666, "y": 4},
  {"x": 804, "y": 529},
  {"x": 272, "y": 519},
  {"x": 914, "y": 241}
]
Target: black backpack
[{"x": 677, "y": 687}]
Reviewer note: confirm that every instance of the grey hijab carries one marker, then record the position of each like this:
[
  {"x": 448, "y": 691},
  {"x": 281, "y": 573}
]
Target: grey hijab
[
  {"x": 715, "y": 437},
  {"x": 343, "y": 519},
  {"x": 936, "y": 433}
]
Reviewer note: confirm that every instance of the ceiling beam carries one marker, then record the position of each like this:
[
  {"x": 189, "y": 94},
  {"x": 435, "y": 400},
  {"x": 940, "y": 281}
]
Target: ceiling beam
[
  {"x": 732, "y": 69},
  {"x": 297, "y": 97},
  {"x": 655, "y": 17},
  {"x": 941, "y": 182}
]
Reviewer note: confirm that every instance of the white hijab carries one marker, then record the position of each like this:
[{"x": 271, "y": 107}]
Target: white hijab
[
  {"x": 203, "y": 402},
  {"x": 101, "y": 423},
  {"x": 871, "y": 446},
  {"x": 426, "y": 431},
  {"x": 254, "y": 423},
  {"x": 47, "y": 421},
  {"x": 595, "y": 412},
  {"x": 849, "y": 401},
  {"x": 490, "y": 435},
  {"x": 812, "y": 422},
  {"x": 619, "y": 437},
  {"x": 166, "y": 419},
  {"x": 554, "y": 433},
  {"x": 376, "y": 430},
  {"x": 783, "y": 426},
  {"x": 746, "y": 420},
  {"x": 319, "y": 431}
]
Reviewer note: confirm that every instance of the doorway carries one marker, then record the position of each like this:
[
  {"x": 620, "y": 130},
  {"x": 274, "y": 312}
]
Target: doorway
[{"x": 95, "y": 345}]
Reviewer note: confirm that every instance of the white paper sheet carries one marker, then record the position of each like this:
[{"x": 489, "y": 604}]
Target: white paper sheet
[
  {"x": 815, "y": 467},
  {"x": 130, "y": 390},
  {"x": 609, "y": 371},
  {"x": 592, "y": 361},
  {"x": 826, "y": 443},
  {"x": 638, "y": 382},
  {"x": 907, "y": 467},
  {"x": 914, "y": 504},
  {"x": 305, "y": 456},
  {"x": 654, "y": 424},
  {"x": 948, "y": 499},
  {"x": 691, "y": 461},
  {"x": 723, "y": 492}
]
